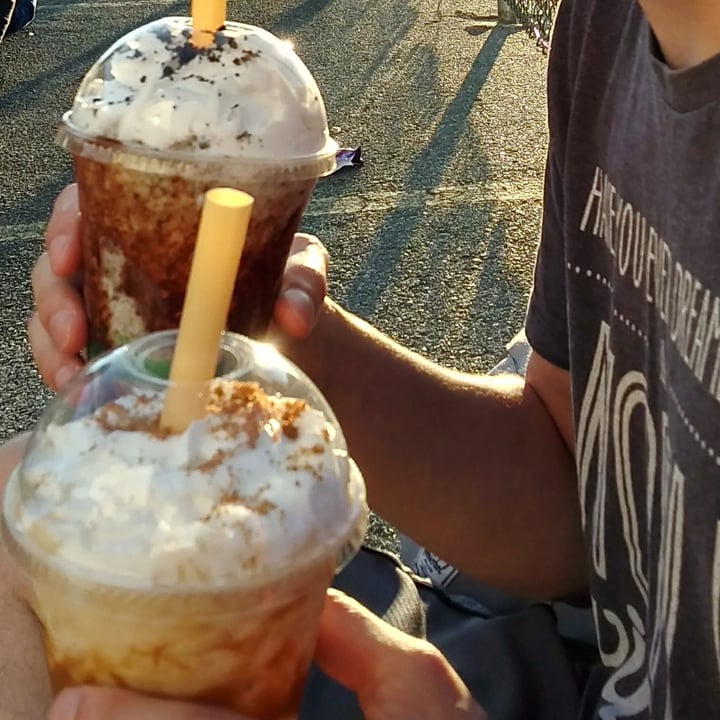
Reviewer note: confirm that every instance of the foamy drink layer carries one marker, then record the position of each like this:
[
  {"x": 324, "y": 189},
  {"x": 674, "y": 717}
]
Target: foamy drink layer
[
  {"x": 247, "y": 490},
  {"x": 246, "y": 95}
]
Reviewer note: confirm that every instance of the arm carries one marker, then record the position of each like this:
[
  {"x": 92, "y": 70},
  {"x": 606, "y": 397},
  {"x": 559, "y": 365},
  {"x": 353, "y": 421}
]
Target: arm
[
  {"x": 24, "y": 685},
  {"x": 476, "y": 468}
]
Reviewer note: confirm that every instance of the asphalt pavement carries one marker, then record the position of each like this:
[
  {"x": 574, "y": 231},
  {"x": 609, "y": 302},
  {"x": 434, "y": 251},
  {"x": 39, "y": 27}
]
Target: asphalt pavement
[{"x": 433, "y": 239}]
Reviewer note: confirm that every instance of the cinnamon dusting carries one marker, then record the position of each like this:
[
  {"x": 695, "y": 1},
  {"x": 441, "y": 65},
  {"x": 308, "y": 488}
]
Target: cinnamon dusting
[
  {"x": 212, "y": 462},
  {"x": 255, "y": 503},
  {"x": 230, "y": 497},
  {"x": 292, "y": 411},
  {"x": 252, "y": 409},
  {"x": 113, "y": 417}
]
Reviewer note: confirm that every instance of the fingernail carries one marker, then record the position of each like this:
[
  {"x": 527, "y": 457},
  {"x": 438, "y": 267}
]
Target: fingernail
[
  {"x": 302, "y": 302},
  {"x": 56, "y": 250},
  {"x": 52, "y": 242},
  {"x": 66, "y": 704},
  {"x": 63, "y": 376},
  {"x": 67, "y": 200},
  {"x": 60, "y": 327}
]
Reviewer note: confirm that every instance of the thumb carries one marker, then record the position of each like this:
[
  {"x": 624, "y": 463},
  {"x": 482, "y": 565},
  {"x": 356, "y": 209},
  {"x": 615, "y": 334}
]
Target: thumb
[
  {"x": 354, "y": 646},
  {"x": 303, "y": 288}
]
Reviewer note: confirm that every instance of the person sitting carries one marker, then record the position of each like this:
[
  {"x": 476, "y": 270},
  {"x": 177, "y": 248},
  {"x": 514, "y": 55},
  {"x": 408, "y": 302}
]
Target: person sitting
[{"x": 595, "y": 473}]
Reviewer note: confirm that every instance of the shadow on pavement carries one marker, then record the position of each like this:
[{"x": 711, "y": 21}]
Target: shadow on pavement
[
  {"x": 386, "y": 21},
  {"x": 301, "y": 14},
  {"x": 426, "y": 171}
]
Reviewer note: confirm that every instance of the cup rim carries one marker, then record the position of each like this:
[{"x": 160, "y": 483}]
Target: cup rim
[{"x": 105, "y": 149}]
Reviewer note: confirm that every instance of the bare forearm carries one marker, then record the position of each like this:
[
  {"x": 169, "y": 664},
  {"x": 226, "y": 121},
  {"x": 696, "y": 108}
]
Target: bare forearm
[
  {"x": 473, "y": 467},
  {"x": 24, "y": 686}
]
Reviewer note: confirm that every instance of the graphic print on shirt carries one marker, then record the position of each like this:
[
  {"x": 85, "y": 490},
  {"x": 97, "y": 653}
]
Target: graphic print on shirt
[{"x": 626, "y": 463}]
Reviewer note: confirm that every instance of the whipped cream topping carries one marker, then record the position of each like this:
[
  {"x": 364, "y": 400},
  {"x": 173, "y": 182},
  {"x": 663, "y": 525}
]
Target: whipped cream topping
[
  {"x": 247, "y": 95},
  {"x": 251, "y": 487}
]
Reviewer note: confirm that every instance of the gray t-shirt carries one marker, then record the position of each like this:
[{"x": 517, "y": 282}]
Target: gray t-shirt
[{"x": 627, "y": 297}]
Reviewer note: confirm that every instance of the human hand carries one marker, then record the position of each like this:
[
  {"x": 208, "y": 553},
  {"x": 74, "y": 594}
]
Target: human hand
[
  {"x": 58, "y": 329},
  {"x": 395, "y": 677}
]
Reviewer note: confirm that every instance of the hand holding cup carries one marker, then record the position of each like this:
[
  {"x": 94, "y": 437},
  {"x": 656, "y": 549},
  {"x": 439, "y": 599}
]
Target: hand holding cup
[{"x": 57, "y": 328}]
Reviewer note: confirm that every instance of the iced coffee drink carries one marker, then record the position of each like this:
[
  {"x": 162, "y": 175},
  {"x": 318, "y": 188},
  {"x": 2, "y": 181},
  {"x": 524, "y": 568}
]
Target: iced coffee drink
[
  {"x": 158, "y": 121},
  {"x": 188, "y": 565}
]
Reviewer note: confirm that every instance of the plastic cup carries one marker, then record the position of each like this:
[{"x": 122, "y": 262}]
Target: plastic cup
[
  {"x": 141, "y": 204},
  {"x": 245, "y": 643}
]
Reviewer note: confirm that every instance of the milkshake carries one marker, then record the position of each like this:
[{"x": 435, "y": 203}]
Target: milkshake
[
  {"x": 189, "y": 565},
  {"x": 158, "y": 121}
]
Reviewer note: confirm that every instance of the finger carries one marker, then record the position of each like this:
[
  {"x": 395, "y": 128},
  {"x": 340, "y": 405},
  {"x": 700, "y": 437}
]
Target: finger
[
  {"x": 62, "y": 236},
  {"x": 59, "y": 307},
  {"x": 387, "y": 669},
  {"x": 304, "y": 287},
  {"x": 93, "y": 703},
  {"x": 307, "y": 265},
  {"x": 354, "y": 646},
  {"x": 295, "y": 313},
  {"x": 56, "y": 368},
  {"x": 64, "y": 211}
]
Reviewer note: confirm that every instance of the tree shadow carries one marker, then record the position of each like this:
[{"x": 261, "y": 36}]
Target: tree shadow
[
  {"x": 498, "y": 309},
  {"x": 301, "y": 14},
  {"x": 385, "y": 22},
  {"x": 425, "y": 171},
  {"x": 476, "y": 30}
]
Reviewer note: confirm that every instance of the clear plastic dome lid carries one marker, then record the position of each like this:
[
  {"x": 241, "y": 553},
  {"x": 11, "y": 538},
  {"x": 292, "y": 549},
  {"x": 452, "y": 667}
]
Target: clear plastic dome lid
[
  {"x": 262, "y": 482},
  {"x": 245, "y": 96}
]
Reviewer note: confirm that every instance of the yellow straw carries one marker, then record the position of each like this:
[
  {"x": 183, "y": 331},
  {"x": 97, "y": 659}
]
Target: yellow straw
[
  {"x": 208, "y": 16},
  {"x": 221, "y": 237}
]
